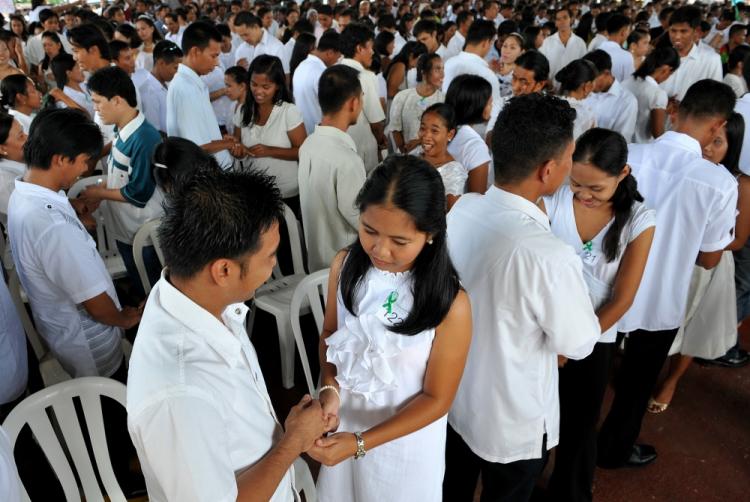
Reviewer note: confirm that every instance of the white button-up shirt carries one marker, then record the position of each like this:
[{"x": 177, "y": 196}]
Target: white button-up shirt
[
  {"x": 615, "y": 109},
  {"x": 695, "y": 202},
  {"x": 372, "y": 113},
  {"x": 267, "y": 45},
  {"x": 190, "y": 114},
  {"x": 176, "y": 37},
  {"x": 560, "y": 55},
  {"x": 743, "y": 108},
  {"x": 330, "y": 176},
  {"x": 596, "y": 42},
  {"x": 468, "y": 63},
  {"x": 622, "y": 61},
  {"x": 697, "y": 65},
  {"x": 529, "y": 302},
  {"x": 60, "y": 268},
  {"x": 198, "y": 409},
  {"x": 10, "y": 170},
  {"x": 305, "y": 85},
  {"x": 154, "y": 102},
  {"x": 455, "y": 46},
  {"x": 14, "y": 363},
  {"x": 650, "y": 97}
]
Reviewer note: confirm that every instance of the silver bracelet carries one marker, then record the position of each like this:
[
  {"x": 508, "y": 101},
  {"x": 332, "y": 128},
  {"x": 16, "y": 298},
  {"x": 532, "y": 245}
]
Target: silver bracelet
[{"x": 331, "y": 387}]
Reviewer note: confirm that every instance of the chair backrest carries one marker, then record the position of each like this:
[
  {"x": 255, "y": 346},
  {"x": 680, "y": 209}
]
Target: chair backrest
[
  {"x": 59, "y": 397},
  {"x": 303, "y": 480},
  {"x": 105, "y": 241},
  {"x": 145, "y": 236},
  {"x": 312, "y": 291},
  {"x": 37, "y": 344},
  {"x": 295, "y": 242}
]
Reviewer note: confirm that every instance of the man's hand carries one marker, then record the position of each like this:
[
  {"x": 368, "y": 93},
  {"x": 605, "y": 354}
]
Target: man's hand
[
  {"x": 304, "y": 424},
  {"x": 561, "y": 361},
  {"x": 334, "y": 449}
]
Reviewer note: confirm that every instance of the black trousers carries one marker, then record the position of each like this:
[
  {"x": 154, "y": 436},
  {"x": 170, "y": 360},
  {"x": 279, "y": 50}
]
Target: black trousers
[
  {"x": 645, "y": 353},
  {"x": 582, "y": 387},
  {"x": 512, "y": 482}
]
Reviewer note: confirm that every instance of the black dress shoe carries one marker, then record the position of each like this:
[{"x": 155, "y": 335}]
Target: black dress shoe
[
  {"x": 735, "y": 358},
  {"x": 642, "y": 454}
]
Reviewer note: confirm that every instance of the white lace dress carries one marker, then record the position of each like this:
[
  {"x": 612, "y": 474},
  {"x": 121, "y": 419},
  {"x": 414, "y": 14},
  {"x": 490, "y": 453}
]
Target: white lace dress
[{"x": 379, "y": 372}]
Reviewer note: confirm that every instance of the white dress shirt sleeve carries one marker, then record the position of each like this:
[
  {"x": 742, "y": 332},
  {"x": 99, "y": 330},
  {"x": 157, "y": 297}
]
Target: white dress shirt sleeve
[
  {"x": 720, "y": 229},
  {"x": 151, "y": 106},
  {"x": 371, "y": 106},
  {"x": 627, "y": 115},
  {"x": 348, "y": 183},
  {"x": 567, "y": 316},
  {"x": 182, "y": 440}
]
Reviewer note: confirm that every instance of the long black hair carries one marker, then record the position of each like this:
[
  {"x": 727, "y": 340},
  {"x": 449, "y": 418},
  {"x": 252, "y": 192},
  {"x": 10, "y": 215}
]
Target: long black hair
[
  {"x": 10, "y": 87},
  {"x": 409, "y": 50},
  {"x": 271, "y": 67},
  {"x": 735, "y": 134},
  {"x": 302, "y": 47},
  {"x": 659, "y": 57},
  {"x": 608, "y": 151},
  {"x": 575, "y": 74},
  {"x": 414, "y": 186}
]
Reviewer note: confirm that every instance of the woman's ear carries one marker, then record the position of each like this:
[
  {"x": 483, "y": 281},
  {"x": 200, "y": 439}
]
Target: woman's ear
[{"x": 626, "y": 170}]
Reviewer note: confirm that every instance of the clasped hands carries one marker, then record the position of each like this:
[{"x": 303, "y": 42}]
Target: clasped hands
[
  {"x": 311, "y": 420},
  {"x": 240, "y": 151}
]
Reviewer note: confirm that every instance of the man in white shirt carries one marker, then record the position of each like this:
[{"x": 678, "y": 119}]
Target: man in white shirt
[
  {"x": 189, "y": 111},
  {"x": 618, "y": 29},
  {"x": 471, "y": 62},
  {"x": 325, "y": 21},
  {"x": 564, "y": 46},
  {"x": 300, "y": 27},
  {"x": 601, "y": 31},
  {"x": 456, "y": 44},
  {"x": 72, "y": 297},
  {"x": 356, "y": 43},
  {"x": 256, "y": 41},
  {"x": 529, "y": 304},
  {"x": 425, "y": 31},
  {"x": 167, "y": 58},
  {"x": 199, "y": 413},
  {"x": 695, "y": 207},
  {"x": 695, "y": 64},
  {"x": 174, "y": 30},
  {"x": 490, "y": 11},
  {"x": 34, "y": 49},
  {"x": 307, "y": 75},
  {"x": 614, "y": 106},
  {"x": 330, "y": 171}
]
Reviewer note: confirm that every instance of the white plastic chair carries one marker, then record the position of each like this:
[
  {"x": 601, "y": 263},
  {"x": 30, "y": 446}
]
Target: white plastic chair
[
  {"x": 145, "y": 236},
  {"x": 303, "y": 480},
  {"x": 308, "y": 296},
  {"x": 275, "y": 297},
  {"x": 50, "y": 368},
  {"x": 105, "y": 242},
  {"x": 32, "y": 411}
]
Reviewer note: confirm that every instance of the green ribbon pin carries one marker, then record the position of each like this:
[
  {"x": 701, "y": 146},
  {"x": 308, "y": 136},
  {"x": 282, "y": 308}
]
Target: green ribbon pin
[
  {"x": 388, "y": 305},
  {"x": 588, "y": 246}
]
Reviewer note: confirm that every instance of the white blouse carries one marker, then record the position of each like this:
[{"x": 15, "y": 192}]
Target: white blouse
[
  {"x": 284, "y": 118},
  {"x": 407, "y": 109},
  {"x": 650, "y": 97},
  {"x": 454, "y": 177},
  {"x": 585, "y": 117},
  {"x": 144, "y": 60},
  {"x": 598, "y": 273}
]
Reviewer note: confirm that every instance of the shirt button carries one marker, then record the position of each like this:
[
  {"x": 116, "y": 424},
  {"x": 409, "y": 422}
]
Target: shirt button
[
  {"x": 237, "y": 311},
  {"x": 49, "y": 206}
]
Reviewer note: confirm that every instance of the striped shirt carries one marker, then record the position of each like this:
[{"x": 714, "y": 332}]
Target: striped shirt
[{"x": 129, "y": 169}]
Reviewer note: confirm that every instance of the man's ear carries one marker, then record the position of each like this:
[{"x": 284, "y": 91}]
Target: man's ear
[
  {"x": 220, "y": 270},
  {"x": 545, "y": 170}
]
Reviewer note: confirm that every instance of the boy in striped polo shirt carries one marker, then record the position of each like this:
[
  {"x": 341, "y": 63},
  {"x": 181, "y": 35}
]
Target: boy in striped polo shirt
[{"x": 131, "y": 190}]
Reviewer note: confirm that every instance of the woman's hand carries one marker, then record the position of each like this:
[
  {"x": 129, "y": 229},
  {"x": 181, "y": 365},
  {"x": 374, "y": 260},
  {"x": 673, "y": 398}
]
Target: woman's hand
[
  {"x": 334, "y": 449},
  {"x": 258, "y": 151},
  {"x": 330, "y": 403}
]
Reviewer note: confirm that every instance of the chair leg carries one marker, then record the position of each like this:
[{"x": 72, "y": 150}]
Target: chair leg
[{"x": 287, "y": 349}]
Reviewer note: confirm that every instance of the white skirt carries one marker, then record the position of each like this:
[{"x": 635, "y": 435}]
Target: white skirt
[{"x": 710, "y": 327}]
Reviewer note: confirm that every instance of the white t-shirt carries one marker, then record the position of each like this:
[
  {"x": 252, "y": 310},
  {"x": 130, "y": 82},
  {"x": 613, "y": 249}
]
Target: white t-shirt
[
  {"x": 454, "y": 177},
  {"x": 60, "y": 268},
  {"x": 598, "y": 273},
  {"x": 623, "y": 65},
  {"x": 305, "y": 85},
  {"x": 284, "y": 118},
  {"x": 560, "y": 55},
  {"x": 468, "y": 148},
  {"x": 650, "y": 96},
  {"x": 615, "y": 109}
]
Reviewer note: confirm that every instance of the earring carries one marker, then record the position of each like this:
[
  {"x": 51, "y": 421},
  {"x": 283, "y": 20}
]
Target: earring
[{"x": 429, "y": 242}]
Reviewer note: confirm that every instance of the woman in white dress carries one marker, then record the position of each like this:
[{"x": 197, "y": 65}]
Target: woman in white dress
[
  {"x": 602, "y": 216},
  {"x": 576, "y": 83},
  {"x": 270, "y": 126},
  {"x": 639, "y": 45},
  {"x": 19, "y": 96},
  {"x": 652, "y": 99},
  {"x": 471, "y": 99},
  {"x": 437, "y": 129},
  {"x": 12, "y": 139},
  {"x": 511, "y": 49},
  {"x": 710, "y": 327},
  {"x": 70, "y": 80},
  {"x": 395, "y": 339},
  {"x": 409, "y": 105},
  {"x": 149, "y": 35}
]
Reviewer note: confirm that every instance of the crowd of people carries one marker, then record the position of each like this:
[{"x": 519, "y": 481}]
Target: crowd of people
[{"x": 505, "y": 195}]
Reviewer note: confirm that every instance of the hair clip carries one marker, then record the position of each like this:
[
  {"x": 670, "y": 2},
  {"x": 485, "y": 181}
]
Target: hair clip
[{"x": 160, "y": 166}]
